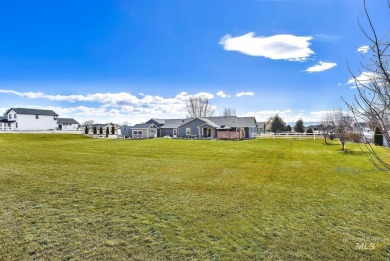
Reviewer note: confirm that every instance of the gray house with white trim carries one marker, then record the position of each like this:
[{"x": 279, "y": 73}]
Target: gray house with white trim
[
  {"x": 167, "y": 127},
  {"x": 224, "y": 127},
  {"x": 144, "y": 131}
]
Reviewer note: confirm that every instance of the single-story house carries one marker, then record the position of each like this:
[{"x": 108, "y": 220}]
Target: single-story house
[
  {"x": 224, "y": 127},
  {"x": 29, "y": 119},
  {"x": 167, "y": 127},
  {"x": 144, "y": 131},
  {"x": 67, "y": 124}
]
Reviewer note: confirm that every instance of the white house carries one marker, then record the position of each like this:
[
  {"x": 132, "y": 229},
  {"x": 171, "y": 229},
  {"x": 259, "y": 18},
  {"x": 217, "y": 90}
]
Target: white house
[
  {"x": 67, "y": 124},
  {"x": 29, "y": 119}
]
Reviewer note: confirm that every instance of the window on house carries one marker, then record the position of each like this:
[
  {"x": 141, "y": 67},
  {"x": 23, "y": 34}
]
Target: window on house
[
  {"x": 36, "y": 116},
  {"x": 10, "y": 116},
  {"x": 15, "y": 116},
  {"x": 55, "y": 118},
  {"x": 174, "y": 131},
  {"x": 188, "y": 131}
]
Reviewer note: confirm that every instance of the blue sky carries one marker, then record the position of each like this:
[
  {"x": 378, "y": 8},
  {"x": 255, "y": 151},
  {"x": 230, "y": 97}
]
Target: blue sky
[{"x": 132, "y": 60}]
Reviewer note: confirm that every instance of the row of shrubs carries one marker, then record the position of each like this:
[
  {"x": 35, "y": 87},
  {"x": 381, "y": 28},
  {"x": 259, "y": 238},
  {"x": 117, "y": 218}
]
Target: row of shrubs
[{"x": 95, "y": 130}]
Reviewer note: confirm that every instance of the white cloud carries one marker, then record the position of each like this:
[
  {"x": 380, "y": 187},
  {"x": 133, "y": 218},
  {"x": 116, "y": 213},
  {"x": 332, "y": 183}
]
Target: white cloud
[
  {"x": 114, "y": 106},
  {"x": 240, "y": 94},
  {"x": 288, "y": 115},
  {"x": 320, "y": 67},
  {"x": 204, "y": 94},
  {"x": 363, "y": 49},
  {"x": 111, "y": 99},
  {"x": 222, "y": 94},
  {"x": 277, "y": 47},
  {"x": 363, "y": 78}
]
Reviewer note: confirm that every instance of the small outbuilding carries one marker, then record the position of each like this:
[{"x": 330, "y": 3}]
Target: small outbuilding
[
  {"x": 67, "y": 124},
  {"x": 144, "y": 131}
]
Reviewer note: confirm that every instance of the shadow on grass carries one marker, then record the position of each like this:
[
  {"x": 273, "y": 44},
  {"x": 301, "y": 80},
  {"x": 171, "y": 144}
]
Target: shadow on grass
[
  {"x": 331, "y": 144},
  {"x": 352, "y": 152}
]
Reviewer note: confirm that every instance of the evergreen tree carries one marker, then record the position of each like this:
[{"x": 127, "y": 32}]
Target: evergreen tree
[
  {"x": 378, "y": 137},
  {"x": 107, "y": 131},
  {"x": 288, "y": 128},
  {"x": 299, "y": 126},
  {"x": 278, "y": 125},
  {"x": 94, "y": 130},
  {"x": 113, "y": 130},
  {"x": 101, "y": 130},
  {"x": 86, "y": 130},
  {"x": 309, "y": 130}
]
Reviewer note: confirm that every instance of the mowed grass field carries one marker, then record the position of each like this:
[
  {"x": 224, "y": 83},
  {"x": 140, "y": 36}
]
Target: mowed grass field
[{"x": 69, "y": 197}]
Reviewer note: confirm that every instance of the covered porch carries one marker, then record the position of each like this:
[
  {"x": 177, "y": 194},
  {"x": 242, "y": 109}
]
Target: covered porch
[
  {"x": 206, "y": 131},
  {"x": 6, "y": 124}
]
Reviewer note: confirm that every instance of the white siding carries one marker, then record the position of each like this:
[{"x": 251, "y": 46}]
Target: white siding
[
  {"x": 68, "y": 127},
  {"x": 29, "y": 122},
  {"x": 7, "y": 126}
]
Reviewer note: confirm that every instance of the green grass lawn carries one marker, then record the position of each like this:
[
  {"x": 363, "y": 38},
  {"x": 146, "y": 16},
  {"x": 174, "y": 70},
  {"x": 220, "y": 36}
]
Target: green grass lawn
[{"x": 68, "y": 197}]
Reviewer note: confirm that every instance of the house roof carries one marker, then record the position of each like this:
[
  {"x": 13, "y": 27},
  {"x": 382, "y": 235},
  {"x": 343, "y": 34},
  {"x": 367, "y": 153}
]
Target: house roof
[
  {"x": 67, "y": 121},
  {"x": 361, "y": 124},
  {"x": 209, "y": 122},
  {"x": 226, "y": 121},
  {"x": 173, "y": 123},
  {"x": 34, "y": 111},
  {"x": 234, "y": 121},
  {"x": 261, "y": 124},
  {"x": 144, "y": 126},
  {"x": 167, "y": 123},
  {"x": 98, "y": 125},
  {"x": 3, "y": 119},
  {"x": 159, "y": 121}
]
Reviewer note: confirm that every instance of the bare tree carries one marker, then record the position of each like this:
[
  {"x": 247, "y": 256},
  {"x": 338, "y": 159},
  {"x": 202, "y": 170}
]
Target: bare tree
[
  {"x": 326, "y": 125},
  {"x": 7, "y": 111},
  {"x": 199, "y": 106},
  {"x": 89, "y": 122},
  {"x": 227, "y": 111},
  {"x": 372, "y": 101},
  {"x": 342, "y": 123}
]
